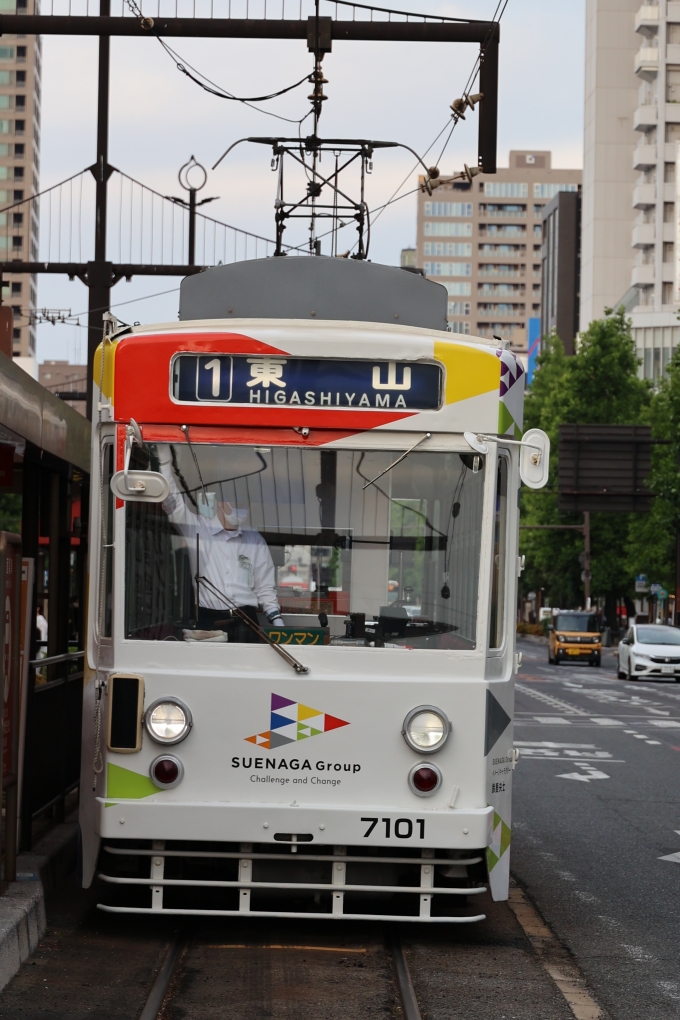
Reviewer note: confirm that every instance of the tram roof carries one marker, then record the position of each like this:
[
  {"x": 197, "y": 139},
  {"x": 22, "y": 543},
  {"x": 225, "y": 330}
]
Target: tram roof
[{"x": 314, "y": 288}]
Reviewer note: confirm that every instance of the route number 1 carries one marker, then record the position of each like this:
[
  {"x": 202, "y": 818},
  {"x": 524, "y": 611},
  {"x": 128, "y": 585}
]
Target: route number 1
[{"x": 403, "y": 827}]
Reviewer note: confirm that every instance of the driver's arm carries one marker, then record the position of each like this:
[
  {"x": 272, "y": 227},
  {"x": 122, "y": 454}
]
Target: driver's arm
[{"x": 264, "y": 581}]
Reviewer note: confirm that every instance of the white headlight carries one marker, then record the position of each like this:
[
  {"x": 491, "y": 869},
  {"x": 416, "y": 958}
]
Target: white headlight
[
  {"x": 426, "y": 729},
  {"x": 168, "y": 720}
]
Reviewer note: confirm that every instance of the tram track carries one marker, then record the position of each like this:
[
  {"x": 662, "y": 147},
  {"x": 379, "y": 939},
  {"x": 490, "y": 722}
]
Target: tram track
[{"x": 165, "y": 985}]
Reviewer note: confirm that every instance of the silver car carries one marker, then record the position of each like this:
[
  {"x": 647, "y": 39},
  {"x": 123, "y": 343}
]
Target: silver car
[{"x": 650, "y": 650}]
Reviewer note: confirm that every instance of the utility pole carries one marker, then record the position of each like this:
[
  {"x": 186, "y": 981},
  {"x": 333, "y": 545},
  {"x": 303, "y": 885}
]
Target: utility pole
[
  {"x": 99, "y": 277},
  {"x": 586, "y": 564}
]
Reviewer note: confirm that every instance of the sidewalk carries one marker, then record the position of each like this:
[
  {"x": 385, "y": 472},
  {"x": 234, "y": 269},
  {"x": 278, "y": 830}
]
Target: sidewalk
[{"x": 22, "y": 907}]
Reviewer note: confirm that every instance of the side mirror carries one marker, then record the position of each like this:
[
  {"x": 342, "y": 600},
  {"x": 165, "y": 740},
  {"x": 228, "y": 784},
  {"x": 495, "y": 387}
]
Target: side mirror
[
  {"x": 534, "y": 454},
  {"x": 534, "y": 458},
  {"x": 138, "y": 486}
]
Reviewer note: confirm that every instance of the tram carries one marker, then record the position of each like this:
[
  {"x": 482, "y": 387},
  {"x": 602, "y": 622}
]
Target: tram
[{"x": 303, "y": 573}]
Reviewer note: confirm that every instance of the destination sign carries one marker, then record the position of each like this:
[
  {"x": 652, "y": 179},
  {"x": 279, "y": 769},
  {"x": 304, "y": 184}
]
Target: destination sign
[{"x": 305, "y": 382}]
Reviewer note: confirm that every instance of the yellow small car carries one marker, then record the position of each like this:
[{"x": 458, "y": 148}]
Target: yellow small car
[{"x": 574, "y": 636}]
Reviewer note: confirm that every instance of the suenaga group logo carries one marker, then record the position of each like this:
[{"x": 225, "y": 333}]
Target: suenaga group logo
[{"x": 291, "y": 721}]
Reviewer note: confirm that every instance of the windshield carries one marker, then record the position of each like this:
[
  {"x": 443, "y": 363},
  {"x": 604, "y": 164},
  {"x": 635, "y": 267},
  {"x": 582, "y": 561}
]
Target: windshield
[
  {"x": 295, "y": 540},
  {"x": 583, "y": 622},
  {"x": 658, "y": 636}
]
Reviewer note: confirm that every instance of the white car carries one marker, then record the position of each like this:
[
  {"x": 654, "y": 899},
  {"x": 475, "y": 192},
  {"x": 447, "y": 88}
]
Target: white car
[{"x": 650, "y": 650}]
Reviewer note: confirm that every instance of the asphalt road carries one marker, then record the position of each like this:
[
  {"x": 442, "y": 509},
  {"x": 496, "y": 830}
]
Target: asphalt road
[{"x": 596, "y": 830}]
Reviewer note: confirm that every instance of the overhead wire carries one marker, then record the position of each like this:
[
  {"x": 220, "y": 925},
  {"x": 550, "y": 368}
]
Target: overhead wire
[{"x": 472, "y": 77}]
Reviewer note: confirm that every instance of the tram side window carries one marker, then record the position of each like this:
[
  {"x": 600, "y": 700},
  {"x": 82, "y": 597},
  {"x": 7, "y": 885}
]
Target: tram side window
[
  {"x": 107, "y": 543},
  {"x": 500, "y": 555},
  {"x": 345, "y": 546}
]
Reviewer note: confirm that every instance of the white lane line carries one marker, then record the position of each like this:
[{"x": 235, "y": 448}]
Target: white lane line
[
  {"x": 547, "y": 699},
  {"x": 657, "y": 742},
  {"x": 602, "y": 721},
  {"x": 553, "y": 720},
  {"x": 666, "y": 724}
]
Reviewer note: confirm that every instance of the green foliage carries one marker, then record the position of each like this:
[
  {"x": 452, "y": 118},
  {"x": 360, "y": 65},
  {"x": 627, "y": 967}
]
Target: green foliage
[
  {"x": 597, "y": 385},
  {"x": 10, "y": 512},
  {"x": 651, "y": 543}
]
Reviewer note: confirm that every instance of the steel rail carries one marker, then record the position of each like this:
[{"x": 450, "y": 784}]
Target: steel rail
[
  {"x": 159, "y": 989},
  {"x": 213, "y": 883},
  {"x": 407, "y": 992}
]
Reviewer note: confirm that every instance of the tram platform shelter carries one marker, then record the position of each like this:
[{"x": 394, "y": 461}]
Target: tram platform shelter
[{"x": 44, "y": 496}]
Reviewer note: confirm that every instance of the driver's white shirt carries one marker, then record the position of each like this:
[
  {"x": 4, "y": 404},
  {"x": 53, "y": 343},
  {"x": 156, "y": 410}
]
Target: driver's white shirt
[{"x": 237, "y": 562}]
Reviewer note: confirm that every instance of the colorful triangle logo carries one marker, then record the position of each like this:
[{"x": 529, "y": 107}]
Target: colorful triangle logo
[{"x": 291, "y": 720}]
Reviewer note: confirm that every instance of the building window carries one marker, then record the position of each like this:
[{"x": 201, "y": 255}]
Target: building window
[
  {"x": 18, "y": 173},
  {"x": 19, "y": 127},
  {"x": 458, "y": 289},
  {"x": 448, "y": 230},
  {"x": 669, "y": 212},
  {"x": 448, "y": 269},
  {"x": 16, "y": 334},
  {"x": 672, "y": 83},
  {"x": 505, "y": 189},
  {"x": 459, "y": 308},
  {"x": 447, "y": 248},
  {"x": 16, "y": 288},
  {"x": 16, "y": 242},
  {"x": 503, "y": 229},
  {"x": 461, "y": 327},
  {"x": 668, "y": 251},
  {"x": 21, "y": 78},
  {"x": 669, "y": 173},
  {"x": 21, "y": 52},
  {"x": 7, "y": 52},
  {"x": 17, "y": 219},
  {"x": 538, "y": 211},
  {"x": 502, "y": 249},
  {"x": 460, "y": 209},
  {"x": 672, "y": 32},
  {"x": 550, "y": 190},
  {"x": 667, "y": 294}
]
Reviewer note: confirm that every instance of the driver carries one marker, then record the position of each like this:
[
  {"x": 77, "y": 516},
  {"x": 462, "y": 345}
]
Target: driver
[{"x": 233, "y": 558}]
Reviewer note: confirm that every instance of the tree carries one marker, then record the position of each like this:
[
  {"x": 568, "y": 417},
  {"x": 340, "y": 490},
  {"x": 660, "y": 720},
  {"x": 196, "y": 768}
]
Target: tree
[
  {"x": 651, "y": 543},
  {"x": 599, "y": 384}
]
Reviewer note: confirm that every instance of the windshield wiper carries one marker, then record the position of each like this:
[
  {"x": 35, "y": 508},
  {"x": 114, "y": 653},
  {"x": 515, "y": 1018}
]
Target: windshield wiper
[
  {"x": 397, "y": 461},
  {"x": 255, "y": 627}
]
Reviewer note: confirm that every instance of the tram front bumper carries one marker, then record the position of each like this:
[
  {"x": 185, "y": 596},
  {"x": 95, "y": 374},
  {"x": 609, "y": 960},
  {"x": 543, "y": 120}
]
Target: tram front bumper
[{"x": 269, "y": 823}]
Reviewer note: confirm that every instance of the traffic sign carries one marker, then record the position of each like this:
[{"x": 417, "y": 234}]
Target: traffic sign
[
  {"x": 655, "y": 589},
  {"x": 641, "y": 583}
]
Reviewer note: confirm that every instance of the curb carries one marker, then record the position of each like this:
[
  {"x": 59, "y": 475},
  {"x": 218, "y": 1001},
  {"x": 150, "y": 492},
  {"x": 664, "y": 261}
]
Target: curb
[{"x": 22, "y": 907}]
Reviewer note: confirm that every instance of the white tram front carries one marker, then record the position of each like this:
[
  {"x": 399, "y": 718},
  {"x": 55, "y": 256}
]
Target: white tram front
[{"x": 302, "y": 588}]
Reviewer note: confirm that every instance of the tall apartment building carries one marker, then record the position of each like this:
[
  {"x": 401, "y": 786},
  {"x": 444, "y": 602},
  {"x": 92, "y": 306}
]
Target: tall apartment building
[
  {"x": 483, "y": 242},
  {"x": 20, "y": 82},
  {"x": 611, "y": 97},
  {"x": 655, "y": 197}
]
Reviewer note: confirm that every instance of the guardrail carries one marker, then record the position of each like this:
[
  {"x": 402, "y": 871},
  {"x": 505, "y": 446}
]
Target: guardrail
[{"x": 53, "y": 729}]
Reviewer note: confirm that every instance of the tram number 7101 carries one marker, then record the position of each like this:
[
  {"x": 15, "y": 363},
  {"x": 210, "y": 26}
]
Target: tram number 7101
[{"x": 403, "y": 827}]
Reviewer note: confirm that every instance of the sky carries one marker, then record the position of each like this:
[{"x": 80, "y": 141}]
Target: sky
[{"x": 392, "y": 91}]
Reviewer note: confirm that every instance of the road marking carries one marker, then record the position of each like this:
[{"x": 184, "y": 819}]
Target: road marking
[
  {"x": 553, "y": 720},
  {"x": 595, "y": 774},
  {"x": 667, "y": 724},
  {"x": 675, "y": 858},
  {"x": 601, "y": 721},
  {"x": 548, "y": 699},
  {"x": 658, "y": 711},
  {"x": 550, "y": 743},
  {"x": 657, "y": 742},
  {"x": 554, "y": 958}
]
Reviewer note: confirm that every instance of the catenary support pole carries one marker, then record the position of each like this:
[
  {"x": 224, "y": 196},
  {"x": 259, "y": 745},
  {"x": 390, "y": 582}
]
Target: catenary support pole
[
  {"x": 99, "y": 272},
  {"x": 586, "y": 565}
]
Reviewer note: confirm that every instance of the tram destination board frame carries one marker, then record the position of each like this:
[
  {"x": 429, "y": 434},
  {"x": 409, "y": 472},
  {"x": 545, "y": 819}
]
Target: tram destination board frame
[{"x": 604, "y": 468}]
